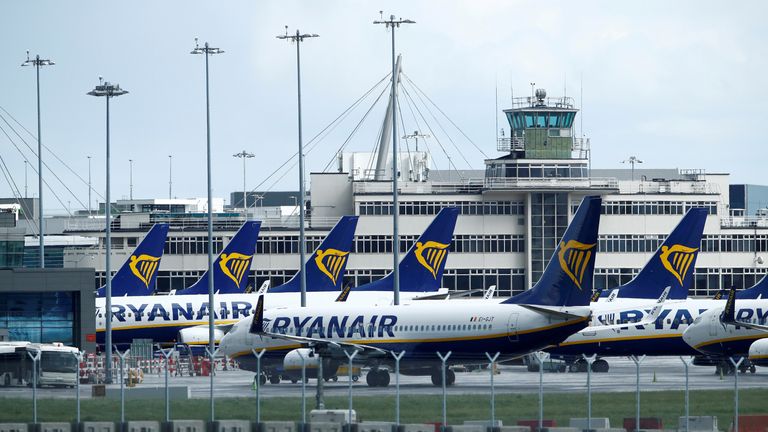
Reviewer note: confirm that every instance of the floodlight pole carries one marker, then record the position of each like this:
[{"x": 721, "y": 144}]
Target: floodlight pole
[
  {"x": 89, "y": 186},
  {"x": 298, "y": 38},
  {"x": 107, "y": 90},
  {"x": 393, "y": 24},
  {"x": 170, "y": 176},
  {"x": 207, "y": 50},
  {"x": 130, "y": 179},
  {"x": 244, "y": 155},
  {"x": 37, "y": 62}
]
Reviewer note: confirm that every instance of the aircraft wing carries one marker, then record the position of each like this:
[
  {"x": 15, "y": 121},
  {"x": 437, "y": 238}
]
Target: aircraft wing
[
  {"x": 649, "y": 319},
  {"x": 553, "y": 312},
  {"x": 729, "y": 314}
]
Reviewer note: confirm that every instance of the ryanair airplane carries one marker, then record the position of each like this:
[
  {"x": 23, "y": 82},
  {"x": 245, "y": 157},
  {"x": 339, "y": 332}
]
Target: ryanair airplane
[
  {"x": 138, "y": 275},
  {"x": 670, "y": 268},
  {"x": 184, "y": 318},
  {"x": 730, "y": 331},
  {"x": 554, "y": 308}
]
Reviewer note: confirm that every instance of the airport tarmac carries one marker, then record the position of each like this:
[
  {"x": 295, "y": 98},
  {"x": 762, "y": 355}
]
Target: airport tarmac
[{"x": 656, "y": 374}]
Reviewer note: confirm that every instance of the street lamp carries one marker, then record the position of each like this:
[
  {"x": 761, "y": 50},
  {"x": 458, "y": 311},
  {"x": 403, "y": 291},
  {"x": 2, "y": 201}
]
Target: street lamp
[
  {"x": 108, "y": 91},
  {"x": 89, "y": 186},
  {"x": 393, "y": 24},
  {"x": 130, "y": 179},
  {"x": 37, "y": 62},
  {"x": 209, "y": 51},
  {"x": 170, "y": 175},
  {"x": 632, "y": 161},
  {"x": 244, "y": 155},
  {"x": 298, "y": 38}
]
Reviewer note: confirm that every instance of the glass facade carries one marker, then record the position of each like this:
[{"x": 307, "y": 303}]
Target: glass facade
[
  {"x": 39, "y": 317},
  {"x": 549, "y": 219}
]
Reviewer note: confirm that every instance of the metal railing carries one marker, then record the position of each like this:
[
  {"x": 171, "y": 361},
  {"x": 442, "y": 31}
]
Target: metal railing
[
  {"x": 466, "y": 186},
  {"x": 743, "y": 222},
  {"x": 667, "y": 187},
  {"x": 552, "y": 183},
  {"x": 509, "y": 144}
]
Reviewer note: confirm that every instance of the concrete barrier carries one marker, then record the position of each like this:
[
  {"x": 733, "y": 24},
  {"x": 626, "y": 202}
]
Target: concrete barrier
[
  {"x": 232, "y": 426},
  {"x": 13, "y": 427},
  {"x": 93, "y": 426},
  {"x": 143, "y": 426},
  {"x": 134, "y": 393},
  {"x": 417, "y": 427},
  {"x": 375, "y": 426},
  {"x": 514, "y": 429},
  {"x": 187, "y": 426},
  {"x": 278, "y": 426},
  {"x": 560, "y": 429},
  {"x": 54, "y": 427},
  {"x": 469, "y": 428},
  {"x": 483, "y": 423},
  {"x": 594, "y": 423},
  {"x": 325, "y": 427},
  {"x": 332, "y": 416},
  {"x": 698, "y": 423}
]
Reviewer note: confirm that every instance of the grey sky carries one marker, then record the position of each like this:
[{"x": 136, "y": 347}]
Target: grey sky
[{"x": 679, "y": 84}]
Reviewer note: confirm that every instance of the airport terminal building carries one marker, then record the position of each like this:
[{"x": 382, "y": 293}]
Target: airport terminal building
[{"x": 512, "y": 214}]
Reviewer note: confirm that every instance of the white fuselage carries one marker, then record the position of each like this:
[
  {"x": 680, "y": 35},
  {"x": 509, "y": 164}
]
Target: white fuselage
[{"x": 712, "y": 337}]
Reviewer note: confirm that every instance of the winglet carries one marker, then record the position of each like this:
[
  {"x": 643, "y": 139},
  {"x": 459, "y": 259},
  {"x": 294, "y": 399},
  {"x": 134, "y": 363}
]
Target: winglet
[
  {"x": 656, "y": 310},
  {"x": 729, "y": 311},
  {"x": 596, "y": 295},
  {"x": 344, "y": 294},
  {"x": 257, "y": 325},
  {"x": 490, "y": 292}
]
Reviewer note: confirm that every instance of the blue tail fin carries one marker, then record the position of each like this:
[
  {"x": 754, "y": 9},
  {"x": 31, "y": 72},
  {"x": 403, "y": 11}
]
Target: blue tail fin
[
  {"x": 138, "y": 274},
  {"x": 421, "y": 270},
  {"x": 757, "y": 291},
  {"x": 231, "y": 267},
  {"x": 672, "y": 264},
  {"x": 326, "y": 266},
  {"x": 567, "y": 280}
]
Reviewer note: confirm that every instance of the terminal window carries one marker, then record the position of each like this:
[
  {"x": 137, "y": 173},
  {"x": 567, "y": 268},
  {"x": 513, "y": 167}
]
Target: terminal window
[{"x": 38, "y": 317}]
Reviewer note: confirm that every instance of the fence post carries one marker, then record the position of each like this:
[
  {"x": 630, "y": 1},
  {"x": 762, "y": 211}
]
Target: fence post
[
  {"x": 687, "y": 363},
  {"x": 397, "y": 385},
  {"x": 211, "y": 357},
  {"x": 591, "y": 359},
  {"x": 491, "y": 361},
  {"x": 122, "y": 356},
  {"x": 540, "y": 359},
  {"x": 350, "y": 357},
  {"x": 166, "y": 357},
  {"x": 736, "y": 365},
  {"x": 35, "y": 359},
  {"x": 637, "y": 361},
  {"x": 443, "y": 359},
  {"x": 79, "y": 357},
  {"x": 258, "y": 382},
  {"x": 303, "y": 389}
]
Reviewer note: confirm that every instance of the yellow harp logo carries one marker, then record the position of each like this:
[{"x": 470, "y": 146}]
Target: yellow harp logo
[
  {"x": 144, "y": 267},
  {"x": 330, "y": 262},
  {"x": 677, "y": 260},
  {"x": 431, "y": 255},
  {"x": 235, "y": 266},
  {"x": 574, "y": 257}
]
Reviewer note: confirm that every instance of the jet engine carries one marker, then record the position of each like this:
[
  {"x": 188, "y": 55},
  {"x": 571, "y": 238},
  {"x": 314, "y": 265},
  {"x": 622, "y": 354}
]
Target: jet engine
[{"x": 198, "y": 335}]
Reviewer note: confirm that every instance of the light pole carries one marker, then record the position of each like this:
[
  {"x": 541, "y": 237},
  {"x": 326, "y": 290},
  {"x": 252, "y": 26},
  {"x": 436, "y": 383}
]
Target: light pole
[
  {"x": 25, "y": 179},
  {"x": 89, "y": 186},
  {"x": 170, "y": 175},
  {"x": 298, "y": 38},
  {"x": 244, "y": 155},
  {"x": 393, "y": 24},
  {"x": 632, "y": 161},
  {"x": 108, "y": 91},
  {"x": 130, "y": 179},
  {"x": 37, "y": 62},
  {"x": 208, "y": 51}
]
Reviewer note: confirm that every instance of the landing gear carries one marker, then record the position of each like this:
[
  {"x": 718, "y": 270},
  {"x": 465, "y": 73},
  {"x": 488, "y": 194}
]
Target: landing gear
[
  {"x": 580, "y": 366},
  {"x": 437, "y": 377},
  {"x": 377, "y": 378},
  {"x": 600, "y": 366},
  {"x": 260, "y": 379},
  {"x": 274, "y": 379}
]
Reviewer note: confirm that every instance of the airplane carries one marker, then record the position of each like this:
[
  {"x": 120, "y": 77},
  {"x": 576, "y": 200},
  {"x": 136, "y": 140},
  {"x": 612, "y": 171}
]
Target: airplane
[
  {"x": 138, "y": 275},
  {"x": 723, "y": 332},
  {"x": 231, "y": 267},
  {"x": 757, "y": 291},
  {"x": 554, "y": 308},
  {"x": 671, "y": 266},
  {"x": 184, "y": 318}
]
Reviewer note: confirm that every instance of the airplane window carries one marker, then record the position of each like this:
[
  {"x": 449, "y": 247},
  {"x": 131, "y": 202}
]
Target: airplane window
[
  {"x": 100, "y": 316},
  {"x": 129, "y": 314},
  {"x": 669, "y": 321}
]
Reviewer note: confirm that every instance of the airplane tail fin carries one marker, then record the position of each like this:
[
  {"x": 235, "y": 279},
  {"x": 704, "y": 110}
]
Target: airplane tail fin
[
  {"x": 757, "y": 291},
  {"x": 326, "y": 267},
  {"x": 138, "y": 274},
  {"x": 729, "y": 311},
  {"x": 257, "y": 324},
  {"x": 567, "y": 280},
  {"x": 421, "y": 269},
  {"x": 673, "y": 263},
  {"x": 231, "y": 267}
]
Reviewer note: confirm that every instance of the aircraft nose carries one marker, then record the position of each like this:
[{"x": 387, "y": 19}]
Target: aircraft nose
[{"x": 692, "y": 335}]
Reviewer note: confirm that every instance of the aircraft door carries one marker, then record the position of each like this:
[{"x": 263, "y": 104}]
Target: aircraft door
[
  {"x": 714, "y": 323},
  {"x": 512, "y": 327}
]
